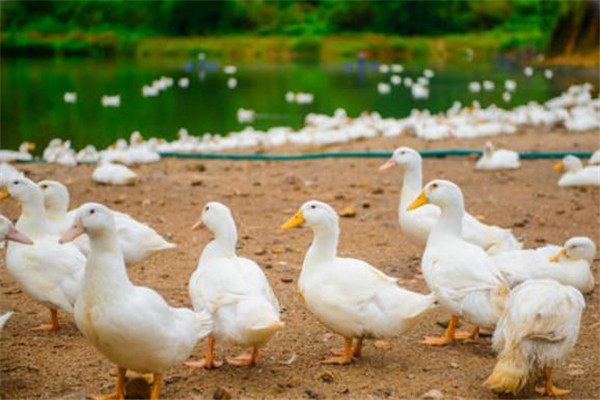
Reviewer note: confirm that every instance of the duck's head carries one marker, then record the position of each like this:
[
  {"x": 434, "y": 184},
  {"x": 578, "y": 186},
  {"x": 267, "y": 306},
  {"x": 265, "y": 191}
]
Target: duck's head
[
  {"x": 570, "y": 164},
  {"x": 9, "y": 232},
  {"x": 577, "y": 248},
  {"x": 26, "y": 147},
  {"x": 136, "y": 138},
  {"x": 56, "y": 195},
  {"x": 440, "y": 192},
  {"x": 21, "y": 189},
  {"x": 404, "y": 157},
  {"x": 214, "y": 216},
  {"x": 91, "y": 219},
  {"x": 313, "y": 213}
]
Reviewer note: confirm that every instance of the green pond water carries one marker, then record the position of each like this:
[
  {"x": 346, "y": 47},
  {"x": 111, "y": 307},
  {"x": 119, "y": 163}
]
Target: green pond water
[{"x": 32, "y": 106}]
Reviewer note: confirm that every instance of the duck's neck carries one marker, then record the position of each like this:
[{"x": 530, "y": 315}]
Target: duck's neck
[
  {"x": 55, "y": 214},
  {"x": 32, "y": 221},
  {"x": 411, "y": 184},
  {"x": 105, "y": 269},
  {"x": 450, "y": 222},
  {"x": 223, "y": 245},
  {"x": 324, "y": 244}
]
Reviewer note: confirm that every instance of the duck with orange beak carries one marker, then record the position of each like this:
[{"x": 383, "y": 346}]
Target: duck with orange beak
[
  {"x": 575, "y": 174},
  {"x": 47, "y": 271},
  {"x": 349, "y": 296},
  {"x": 461, "y": 275},
  {"x": 569, "y": 264}
]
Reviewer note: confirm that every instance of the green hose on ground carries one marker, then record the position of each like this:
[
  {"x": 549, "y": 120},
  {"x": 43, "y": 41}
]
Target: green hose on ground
[
  {"x": 365, "y": 154},
  {"x": 355, "y": 154}
]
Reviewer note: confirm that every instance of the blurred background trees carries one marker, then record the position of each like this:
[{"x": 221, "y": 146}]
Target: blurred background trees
[{"x": 301, "y": 17}]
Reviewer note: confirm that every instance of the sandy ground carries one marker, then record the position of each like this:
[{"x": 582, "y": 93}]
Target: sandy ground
[{"x": 262, "y": 195}]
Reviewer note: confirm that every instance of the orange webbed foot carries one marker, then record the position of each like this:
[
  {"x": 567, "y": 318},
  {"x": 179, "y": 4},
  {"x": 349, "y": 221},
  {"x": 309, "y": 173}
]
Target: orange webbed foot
[
  {"x": 437, "y": 341},
  {"x": 243, "y": 360},
  {"x": 204, "y": 363}
]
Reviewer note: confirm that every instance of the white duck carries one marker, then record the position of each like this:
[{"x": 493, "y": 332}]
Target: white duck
[
  {"x": 88, "y": 154},
  {"x": 595, "y": 158},
  {"x": 575, "y": 174},
  {"x": 569, "y": 265},
  {"x": 137, "y": 240},
  {"x": 9, "y": 232},
  {"x": 461, "y": 275},
  {"x": 419, "y": 223},
  {"x": 349, "y": 296},
  {"x": 536, "y": 332},
  {"x": 47, "y": 271},
  {"x": 132, "y": 326},
  {"x": 494, "y": 160},
  {"x": 234, "y": 290},
  {"x": 113, "y": 174},
  {"x": 21, "y": 155}
]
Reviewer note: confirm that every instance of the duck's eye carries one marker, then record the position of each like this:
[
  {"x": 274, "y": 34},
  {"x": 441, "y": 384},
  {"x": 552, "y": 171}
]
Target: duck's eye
[
  {"x": 313, "y": 206},
  {"x": 44, "y": 186},
  {"x": 435, "y": 185},
  {"x": 92, "y": 211},
  {"x": 207, "y": 208}
]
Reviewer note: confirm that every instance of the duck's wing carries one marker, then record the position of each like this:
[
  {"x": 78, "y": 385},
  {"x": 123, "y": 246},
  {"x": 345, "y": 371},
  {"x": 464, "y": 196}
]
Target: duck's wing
[
  {"x": 258, "y": 280},
  {"x": 60, "y": 268}
]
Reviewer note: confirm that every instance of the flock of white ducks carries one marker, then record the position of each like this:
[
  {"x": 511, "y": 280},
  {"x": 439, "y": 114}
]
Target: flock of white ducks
[
  {"x": 469, "y": 269},
  {"x": 575, "y": 110}
]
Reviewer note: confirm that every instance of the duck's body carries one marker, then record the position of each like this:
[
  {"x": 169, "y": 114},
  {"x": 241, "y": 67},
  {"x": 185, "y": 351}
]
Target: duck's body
[
  {"x": 461, "y": 275},
  {"x": 536, "y": 332},
  {"x": 136, "y": 240},
  {"x": 494, "y": 160},
  {"x": 595, "y": 158},
  {"x": 575, "y": 174},
  {"x": 349, "y": 296},
  {"x": 234, "y": 289},
  {"x": 418, "y": 224},
  {"x": 114, "y": 174},
  {"x": 48, "y": 272},
  {"x": 564, "y": 265},
  {"x": 21, "y": 155},
  {"x": 132, "y": 326}
]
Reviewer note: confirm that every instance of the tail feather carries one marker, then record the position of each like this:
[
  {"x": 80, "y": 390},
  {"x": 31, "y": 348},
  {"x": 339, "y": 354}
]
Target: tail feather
[
  {"x": 268, "y": 329},
  {"x": 510, "y": 374}
]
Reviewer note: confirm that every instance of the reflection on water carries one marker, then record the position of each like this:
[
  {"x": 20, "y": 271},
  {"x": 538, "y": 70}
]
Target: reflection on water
[{"x": 32, "y": 90}]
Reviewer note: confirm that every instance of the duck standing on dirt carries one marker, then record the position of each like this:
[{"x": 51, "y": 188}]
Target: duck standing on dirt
[
  {"x": 349, "y": 296},
  {"x": 537, "y": 330},
  {"x": 461, "y": 274},
  {"x": 132, "y": 326},
  {"x": 235, "y": 291},
  {"x": 47, "y": 271}
]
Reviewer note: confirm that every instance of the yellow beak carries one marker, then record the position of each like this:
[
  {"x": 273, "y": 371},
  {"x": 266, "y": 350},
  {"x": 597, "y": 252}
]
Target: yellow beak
[
  {"x": 296, "y": 220},
  {"x": 555, "y": 258},
  {"x": 418, "y": 202},
  {"x": 30, "y": 146},
  {"x": 4, "y": 193},
  {"x": 559, "y": 166}
]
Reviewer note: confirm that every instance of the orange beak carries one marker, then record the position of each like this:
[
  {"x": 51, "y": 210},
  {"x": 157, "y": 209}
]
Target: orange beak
[
  {"x": 73, "y": 232},
  {"x": 387, "y": 165},
  {"x": 555, "y": 258}
]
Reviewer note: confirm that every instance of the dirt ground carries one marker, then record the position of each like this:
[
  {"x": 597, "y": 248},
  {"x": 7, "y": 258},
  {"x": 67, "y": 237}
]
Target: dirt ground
[{"x": 262, "y": 195}]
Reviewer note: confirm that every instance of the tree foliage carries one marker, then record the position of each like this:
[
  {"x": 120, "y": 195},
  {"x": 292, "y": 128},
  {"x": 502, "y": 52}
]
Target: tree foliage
[{"x": 300, "y": 17}]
